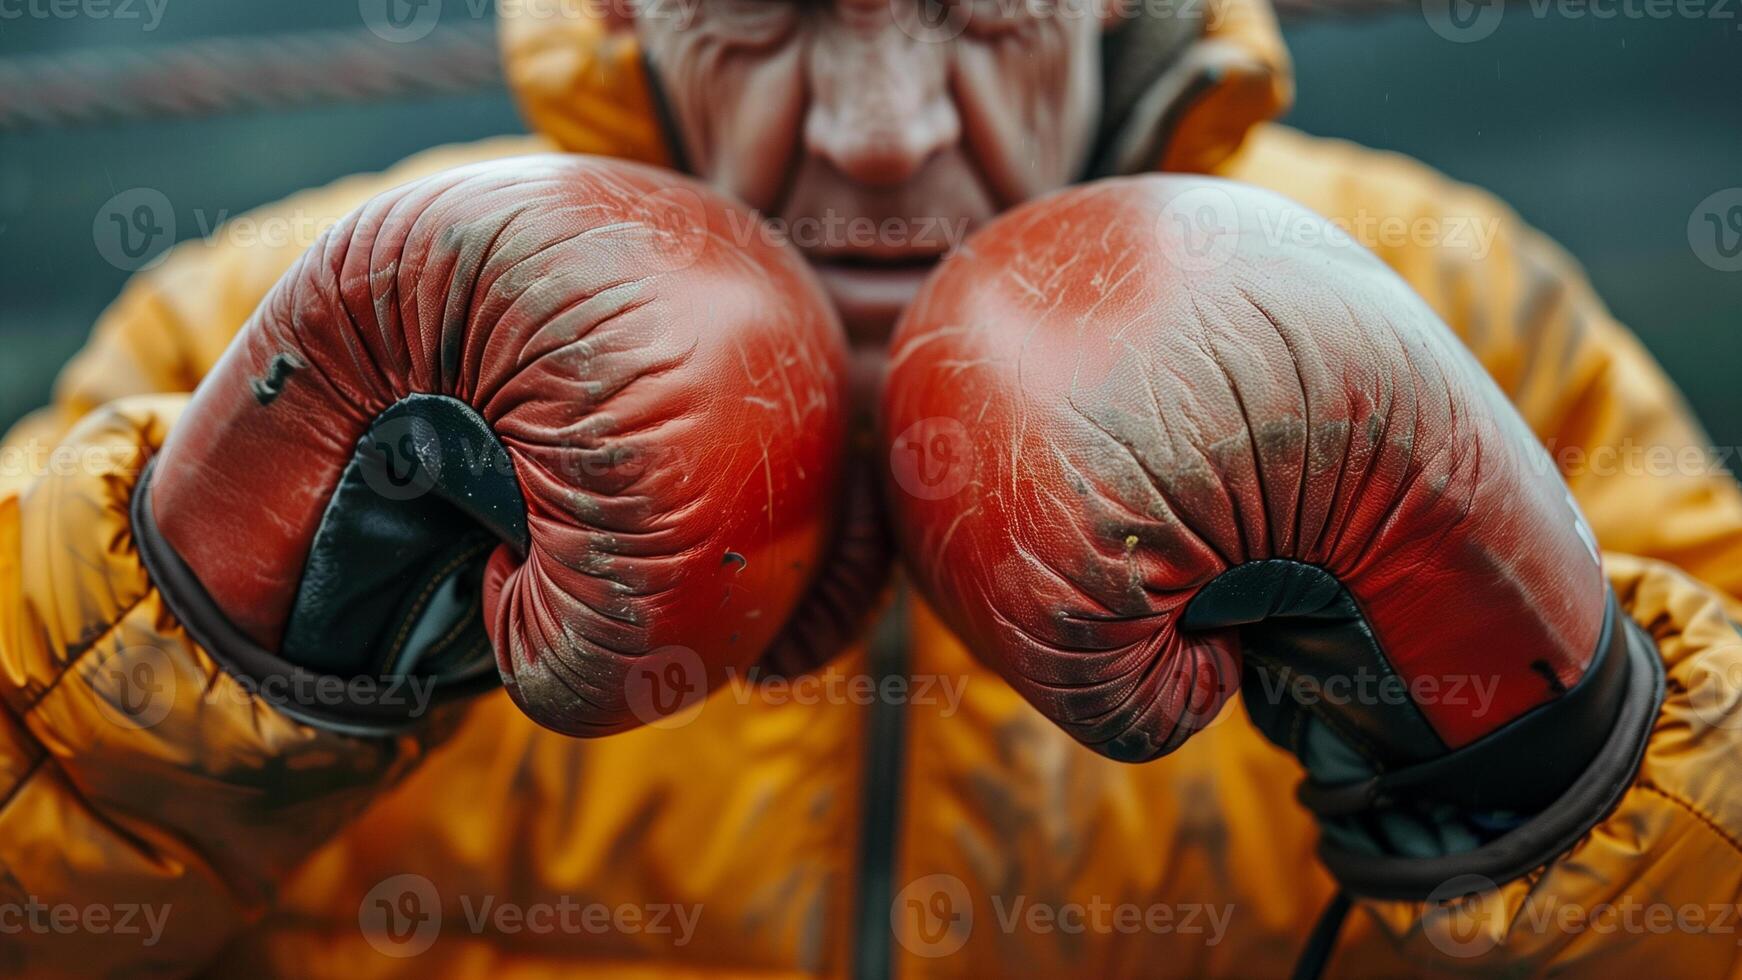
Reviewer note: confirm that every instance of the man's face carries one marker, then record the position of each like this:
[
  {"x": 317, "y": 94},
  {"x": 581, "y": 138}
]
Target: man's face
[{"x": 877, "y": 133}]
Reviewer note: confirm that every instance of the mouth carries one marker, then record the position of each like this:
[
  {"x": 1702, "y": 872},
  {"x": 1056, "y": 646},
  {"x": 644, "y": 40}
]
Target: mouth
[{"x": 870, "y": 293}]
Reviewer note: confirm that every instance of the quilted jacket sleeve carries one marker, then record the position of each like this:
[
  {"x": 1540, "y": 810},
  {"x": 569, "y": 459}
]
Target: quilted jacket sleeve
[{"x": 140, "y": 784}]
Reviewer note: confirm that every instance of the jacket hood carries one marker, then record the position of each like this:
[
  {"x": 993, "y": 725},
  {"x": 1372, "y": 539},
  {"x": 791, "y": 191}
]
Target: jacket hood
[{"x": 1184, "y": 82}]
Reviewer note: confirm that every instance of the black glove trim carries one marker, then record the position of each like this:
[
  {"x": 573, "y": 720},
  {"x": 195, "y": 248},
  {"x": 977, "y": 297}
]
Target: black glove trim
[
  {"x": 425, "y": 497},
  {"x": 1301, "y": 629},
  {"x": 299, "y": 693},
  {"x": 1505, "y": 769},
  {"x": 1556, "y": 828}
]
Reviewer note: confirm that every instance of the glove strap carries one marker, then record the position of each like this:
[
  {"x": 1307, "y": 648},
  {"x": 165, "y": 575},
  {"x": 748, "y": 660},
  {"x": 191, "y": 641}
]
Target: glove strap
[{"x": 1581, "y": 750}]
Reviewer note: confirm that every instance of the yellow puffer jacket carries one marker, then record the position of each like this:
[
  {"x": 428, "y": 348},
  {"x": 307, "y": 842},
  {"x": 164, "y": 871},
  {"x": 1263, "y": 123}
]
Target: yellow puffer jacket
[{"x": 156, "y": 819}]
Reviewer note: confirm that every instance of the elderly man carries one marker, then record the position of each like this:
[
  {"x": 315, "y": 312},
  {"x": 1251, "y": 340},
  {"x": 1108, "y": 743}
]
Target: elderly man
[{"x": 173, "y": 753}]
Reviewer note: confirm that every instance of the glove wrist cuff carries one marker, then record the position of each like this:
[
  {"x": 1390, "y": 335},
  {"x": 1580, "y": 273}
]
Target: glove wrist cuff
[
  {"x": 1506, "y": 770},
  {"x": 1599, "y": 728},
  {"x": 363, "y": 706}
]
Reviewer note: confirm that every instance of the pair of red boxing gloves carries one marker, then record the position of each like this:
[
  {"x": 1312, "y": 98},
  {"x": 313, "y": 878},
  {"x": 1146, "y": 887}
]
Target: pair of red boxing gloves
[{"x": 547, "y": 419}]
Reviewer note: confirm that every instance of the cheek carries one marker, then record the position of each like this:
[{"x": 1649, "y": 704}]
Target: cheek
[
  {"x": 755, "y": 154},
  {"x": 737, "y": 97},
  {"x": 1029, "y": 101}
]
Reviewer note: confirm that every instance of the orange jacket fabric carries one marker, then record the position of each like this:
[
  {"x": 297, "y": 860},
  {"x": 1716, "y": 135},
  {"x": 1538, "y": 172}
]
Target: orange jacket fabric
[{"x": 788, "y": 830}]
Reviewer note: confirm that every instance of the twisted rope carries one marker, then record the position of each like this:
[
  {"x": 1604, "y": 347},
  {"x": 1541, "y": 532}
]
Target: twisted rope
[
  {"x": 314, "y": 68},
  {"x": 236, "y": 74}
]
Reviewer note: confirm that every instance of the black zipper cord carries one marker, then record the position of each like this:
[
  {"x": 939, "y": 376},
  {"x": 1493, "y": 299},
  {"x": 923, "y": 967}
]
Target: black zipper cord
[
  {"x": 1323, "y": 940},
  {"x": 885, "y": 766}
]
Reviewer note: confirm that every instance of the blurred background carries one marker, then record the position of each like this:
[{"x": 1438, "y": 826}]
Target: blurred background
[{"x": 1612, "y": 133}]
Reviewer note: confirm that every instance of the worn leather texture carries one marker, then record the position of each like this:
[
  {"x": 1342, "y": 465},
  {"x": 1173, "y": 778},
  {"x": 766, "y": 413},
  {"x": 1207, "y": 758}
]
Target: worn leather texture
[
  {"x": 671, "y": 398},
  {"x": 1148, "y": 382}
]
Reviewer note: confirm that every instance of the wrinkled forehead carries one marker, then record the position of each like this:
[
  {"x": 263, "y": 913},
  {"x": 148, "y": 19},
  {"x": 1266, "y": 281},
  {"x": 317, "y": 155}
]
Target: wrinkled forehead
[{"x": 928, "y": 21}]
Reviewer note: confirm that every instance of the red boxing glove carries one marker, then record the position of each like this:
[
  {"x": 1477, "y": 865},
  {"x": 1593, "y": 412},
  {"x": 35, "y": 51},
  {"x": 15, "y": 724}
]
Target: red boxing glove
[
  {"x": 544, "y": 407},
  {"x": 1143, "y": 441}
]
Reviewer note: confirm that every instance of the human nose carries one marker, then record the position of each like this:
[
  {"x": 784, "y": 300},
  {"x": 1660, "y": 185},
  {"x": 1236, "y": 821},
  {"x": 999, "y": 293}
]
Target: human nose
[{"x": 880, "y": 99}]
